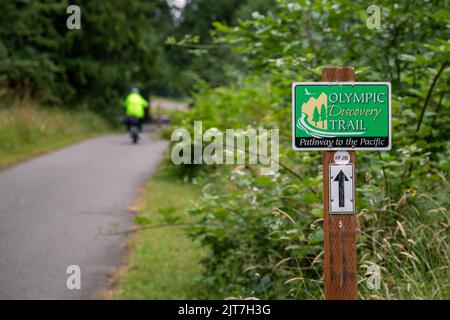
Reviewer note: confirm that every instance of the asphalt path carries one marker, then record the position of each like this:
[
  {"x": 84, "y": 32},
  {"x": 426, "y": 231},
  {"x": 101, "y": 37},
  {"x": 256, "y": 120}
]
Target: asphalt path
[{"x": 57, "y": 209}]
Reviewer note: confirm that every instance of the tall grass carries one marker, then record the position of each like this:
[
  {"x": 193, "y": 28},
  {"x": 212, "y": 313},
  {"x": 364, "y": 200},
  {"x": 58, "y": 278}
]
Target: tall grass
[
  {"x": 27, "y": 129},
  {"x": 409, "y": 242},
  {"x": 259, "y": 247}
]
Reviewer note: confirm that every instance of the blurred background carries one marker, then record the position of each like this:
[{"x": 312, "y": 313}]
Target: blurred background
[{"x": 225, "y": 231}]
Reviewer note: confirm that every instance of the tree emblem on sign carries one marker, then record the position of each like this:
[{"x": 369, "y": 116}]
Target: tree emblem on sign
[
  {"x": 316, "y": 116},
  {"x": 323, "y": 116}
]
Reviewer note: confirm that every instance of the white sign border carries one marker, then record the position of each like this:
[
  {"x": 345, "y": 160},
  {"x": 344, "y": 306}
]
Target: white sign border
[{"x": 294, "y": 84}]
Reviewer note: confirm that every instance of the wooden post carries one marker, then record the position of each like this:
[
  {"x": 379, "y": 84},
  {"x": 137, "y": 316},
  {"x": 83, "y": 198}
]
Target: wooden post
[{"x": 339, "y": 229}]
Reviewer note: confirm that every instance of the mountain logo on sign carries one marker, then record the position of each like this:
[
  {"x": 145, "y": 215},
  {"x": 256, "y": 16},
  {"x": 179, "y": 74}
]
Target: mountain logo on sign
[{"x": 314, "y": 118}]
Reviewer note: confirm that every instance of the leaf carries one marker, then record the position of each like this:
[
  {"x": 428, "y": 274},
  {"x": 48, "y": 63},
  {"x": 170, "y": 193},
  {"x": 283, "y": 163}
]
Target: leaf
[
  {"x": 167, "y": 215},
  {"x": 317, "y": 213},
  {"x": 264, "y": 181},
  {"x": 407, "y": 57},
  {"x": 310, "y": 197},
  {"x": 316, "y": 237},
  {"x": 142, "y": 220}
]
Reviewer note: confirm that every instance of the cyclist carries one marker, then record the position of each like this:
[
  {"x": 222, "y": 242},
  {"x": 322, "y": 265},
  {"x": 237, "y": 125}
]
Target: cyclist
[{"x": 135, "y": 106}]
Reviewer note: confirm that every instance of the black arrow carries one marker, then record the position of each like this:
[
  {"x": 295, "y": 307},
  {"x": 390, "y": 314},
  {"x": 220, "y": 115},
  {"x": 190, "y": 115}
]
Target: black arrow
[{"x": 341, "y": 178}]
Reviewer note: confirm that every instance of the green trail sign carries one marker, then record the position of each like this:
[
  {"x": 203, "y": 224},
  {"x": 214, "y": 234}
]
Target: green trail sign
[{"x": 341, "y": 115}]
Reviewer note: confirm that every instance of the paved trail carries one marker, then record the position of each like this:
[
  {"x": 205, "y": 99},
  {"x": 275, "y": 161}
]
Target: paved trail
[{"x": 54, "y": 208}]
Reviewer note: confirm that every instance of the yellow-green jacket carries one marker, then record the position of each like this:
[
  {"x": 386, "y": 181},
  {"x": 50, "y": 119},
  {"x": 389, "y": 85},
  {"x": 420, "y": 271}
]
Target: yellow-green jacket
[{"x": 135, "y": 105}]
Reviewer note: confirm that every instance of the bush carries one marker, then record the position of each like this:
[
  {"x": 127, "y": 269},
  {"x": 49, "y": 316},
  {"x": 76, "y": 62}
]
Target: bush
[{"x": 265, "y": 234}]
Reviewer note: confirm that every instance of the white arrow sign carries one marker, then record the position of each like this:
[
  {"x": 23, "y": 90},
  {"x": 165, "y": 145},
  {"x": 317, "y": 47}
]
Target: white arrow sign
[{"x": 342, "y": 192}]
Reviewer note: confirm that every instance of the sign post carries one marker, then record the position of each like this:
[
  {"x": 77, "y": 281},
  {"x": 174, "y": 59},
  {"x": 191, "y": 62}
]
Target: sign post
[
  {"x": 339, "y": 230},
  {"x": 339, "y": 116}
]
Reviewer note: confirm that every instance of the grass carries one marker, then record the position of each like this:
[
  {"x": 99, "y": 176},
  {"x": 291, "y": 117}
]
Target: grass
[
  {"x": 163, "y": 262},
  {"x": 27, "y": 130},
  {"x": 410, "y": 245}
]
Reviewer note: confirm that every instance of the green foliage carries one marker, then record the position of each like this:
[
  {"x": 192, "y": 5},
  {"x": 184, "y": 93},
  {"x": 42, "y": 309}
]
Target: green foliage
[
  {"x": 265, "y": 233},
  {"x": 120, "y": 44},
  {"x": 218, "y": 65},
  {"x": 254, "y": 243},
  {"x": 29, "y": 43}
]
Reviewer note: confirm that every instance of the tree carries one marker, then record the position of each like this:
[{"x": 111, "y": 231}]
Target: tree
[
  {"x": 323, "y": 115},
  {"x": 316, "y": 116},
  {"x": 119, "y": 44},
  {"x": 30, "y": 42},
  {"x": 217, "y": 65}
]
